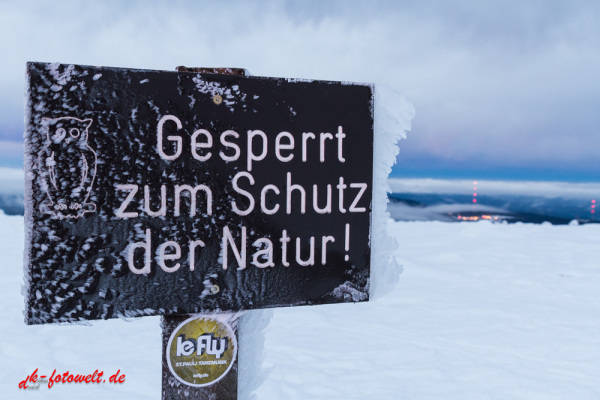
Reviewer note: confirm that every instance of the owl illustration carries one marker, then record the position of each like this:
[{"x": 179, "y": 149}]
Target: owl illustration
[{"x": 67, "y": 167}]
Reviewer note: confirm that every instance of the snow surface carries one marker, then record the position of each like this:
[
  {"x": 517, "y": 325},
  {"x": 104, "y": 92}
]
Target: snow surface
[{"x": 481, "y": 311}]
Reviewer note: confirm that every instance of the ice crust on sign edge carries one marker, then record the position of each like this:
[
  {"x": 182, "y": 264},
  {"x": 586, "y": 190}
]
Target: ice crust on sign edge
[{"x": 393, "y": 114}]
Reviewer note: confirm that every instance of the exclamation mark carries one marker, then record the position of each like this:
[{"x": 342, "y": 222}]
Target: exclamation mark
[{"x": 347, "y": 243}]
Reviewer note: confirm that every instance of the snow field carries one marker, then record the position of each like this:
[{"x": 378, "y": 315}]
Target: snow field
[{"x": 481, "y": 311}]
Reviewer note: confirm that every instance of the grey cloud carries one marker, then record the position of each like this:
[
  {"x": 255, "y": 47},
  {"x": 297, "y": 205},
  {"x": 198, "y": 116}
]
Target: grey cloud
[{"x": 497, "y": 82}]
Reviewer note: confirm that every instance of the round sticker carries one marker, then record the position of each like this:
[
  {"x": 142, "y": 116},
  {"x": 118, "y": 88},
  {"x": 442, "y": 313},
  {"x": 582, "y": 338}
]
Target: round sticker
[{"x": 201, "y": 351}]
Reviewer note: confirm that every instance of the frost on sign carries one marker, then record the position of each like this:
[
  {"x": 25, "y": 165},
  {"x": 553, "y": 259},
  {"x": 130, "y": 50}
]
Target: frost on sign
[{"x": 152, "y": 192}]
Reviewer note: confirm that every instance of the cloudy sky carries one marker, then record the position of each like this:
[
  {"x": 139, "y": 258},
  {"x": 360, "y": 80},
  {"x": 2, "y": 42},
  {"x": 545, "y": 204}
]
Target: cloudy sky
[{"x": 502, "y": 89}]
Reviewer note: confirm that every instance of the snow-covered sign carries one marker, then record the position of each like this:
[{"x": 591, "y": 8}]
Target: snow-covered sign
[{"x": 153, "y": 192}]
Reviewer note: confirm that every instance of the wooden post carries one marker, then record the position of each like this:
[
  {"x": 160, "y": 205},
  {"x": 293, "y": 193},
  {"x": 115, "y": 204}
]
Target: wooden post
[{"x": 173, "y": 387}]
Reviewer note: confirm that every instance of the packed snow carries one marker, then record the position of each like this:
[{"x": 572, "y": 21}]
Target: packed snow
[{"x": 481, "y": 311}]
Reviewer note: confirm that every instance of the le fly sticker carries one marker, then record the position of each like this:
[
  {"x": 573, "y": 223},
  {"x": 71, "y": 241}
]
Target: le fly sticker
[{"x": 201, "y": 351}]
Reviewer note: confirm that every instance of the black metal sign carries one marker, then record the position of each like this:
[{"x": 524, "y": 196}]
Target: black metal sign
[{"x": 153, "y": 192}]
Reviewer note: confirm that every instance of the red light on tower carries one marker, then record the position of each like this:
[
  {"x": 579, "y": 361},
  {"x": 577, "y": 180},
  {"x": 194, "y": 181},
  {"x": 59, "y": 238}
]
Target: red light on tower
[
  {"x": 474, "y": 192},
  {"x": 593, "y": 207}
]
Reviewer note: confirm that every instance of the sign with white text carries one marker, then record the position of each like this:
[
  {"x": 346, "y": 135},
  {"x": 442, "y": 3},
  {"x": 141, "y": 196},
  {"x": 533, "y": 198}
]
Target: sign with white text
[{"x": 154, "y": 192}]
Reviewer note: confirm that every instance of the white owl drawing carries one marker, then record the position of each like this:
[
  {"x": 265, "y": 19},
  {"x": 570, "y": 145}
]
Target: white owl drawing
[{"x": 67, "y": 167}]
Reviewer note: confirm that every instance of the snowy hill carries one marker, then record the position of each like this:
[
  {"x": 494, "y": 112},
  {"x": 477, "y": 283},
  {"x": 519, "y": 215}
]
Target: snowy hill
[{"x": 482, "y": 311}]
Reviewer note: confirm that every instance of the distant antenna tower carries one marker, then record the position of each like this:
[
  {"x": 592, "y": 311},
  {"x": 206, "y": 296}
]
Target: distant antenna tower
[
  {"x": 593, "y": 209},
  {"x": 474, "y": 192}
]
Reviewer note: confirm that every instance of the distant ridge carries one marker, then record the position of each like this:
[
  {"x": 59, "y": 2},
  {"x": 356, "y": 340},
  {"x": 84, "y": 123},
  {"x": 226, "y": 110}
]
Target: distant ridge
[
  {"x": 11, "y": 191},
  {"x": 510, "y": 201}
]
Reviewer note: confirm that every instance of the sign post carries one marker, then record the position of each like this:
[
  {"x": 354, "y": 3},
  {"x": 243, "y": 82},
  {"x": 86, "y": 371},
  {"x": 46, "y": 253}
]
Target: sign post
[{"x": 194, "y": 370}]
